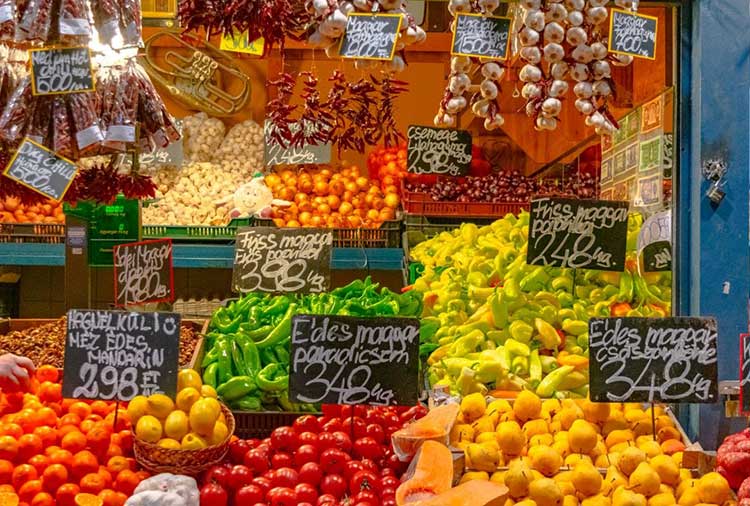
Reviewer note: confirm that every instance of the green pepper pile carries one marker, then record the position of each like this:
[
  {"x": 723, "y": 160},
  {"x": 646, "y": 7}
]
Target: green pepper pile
[{"x": 248, "y": 344}]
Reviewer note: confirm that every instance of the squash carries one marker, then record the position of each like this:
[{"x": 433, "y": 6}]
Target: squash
[
  {"x": 433, "y": 474},
  {"x": 435, "y": 426},
  {"x": 471, "y": 493}
]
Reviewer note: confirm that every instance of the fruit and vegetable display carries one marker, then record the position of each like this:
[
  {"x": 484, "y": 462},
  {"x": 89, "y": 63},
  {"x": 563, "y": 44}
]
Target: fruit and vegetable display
[
  {"x": 331, "y": 197},
  {"x": 13, "y": 211},
  {"x": 493, "y": 322},
  {"x": 248, "y": 345}
]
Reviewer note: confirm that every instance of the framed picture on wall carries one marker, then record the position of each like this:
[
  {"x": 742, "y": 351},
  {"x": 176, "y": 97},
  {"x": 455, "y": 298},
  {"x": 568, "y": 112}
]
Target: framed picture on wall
[
  {"x": 606, "y": 194},
  {"x": 649, "y": 190},
  {"x": 652, "y": 115},
  {"x": 606, "y": 173},
  {"x": 607, "y": 143},
  {"x": 650, "y": 154},
  {"x": 631, "y": 156},
  {"x": 620, "y": 165}
]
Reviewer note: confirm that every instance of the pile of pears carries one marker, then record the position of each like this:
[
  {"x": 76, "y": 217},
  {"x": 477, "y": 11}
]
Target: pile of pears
[
  {"x": 579, "y": 453},
  {"x": 192, "y": 421}
]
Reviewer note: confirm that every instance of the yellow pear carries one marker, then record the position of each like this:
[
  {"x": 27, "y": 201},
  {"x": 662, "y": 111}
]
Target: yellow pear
[
  {"x": 545, "y": 460},
  {"x": 527, "y": 406},
  {"x": 473, "y": 406},
  {"x": 186, "y": 398},
  {"x": 498, "y": 477},
  {"x": 497, "y": 408},
  {"x": 545, "y": 492},
  {"x": 689, "y": 497},
  {"x": 483, "y": 456},
  {"x": 485, "y": 437},
  {"x": 643, "y": 427},
  {"x": 596, "y": 412},
  {"x": 662, "y": 499},
  {"x": 551, "y": 406},
  {"x": 574, "y": 459},
  {"x": 535, "y": 427},
  {"x": 541, "y": 439},
  {"x": 567, "y": 416},
  {"x": 176, "y": 425},
  {"x": 474, "y": 475},
  {"x": 685, "y": 474},
  {"x": 634, "y": 414},
  {"x": 169, "y": 443},
  {"x": 526, "y": 502},
  {"x": 189, "y": 378},
  {"x": 614, "y": 424},
  {"x": 517, "y": 479},
  {"x": 570, "y": 500},
  {"x": 587, "y": 479},
  {"x": 630, "y": 458},
  {"x": 581, "y": 437},
  {"x": 668, "y": 471},
  {"x": 193, "y": 441},
  {"x": 713, "y": 488},
  {"x": 677, "y": 457},
  {"x": 625, "y": 497},
  {"x": 599, "y": 449},
  {"x": 561, "y": 447},
  {"x": 619, "y": 436},
  {"x": 644, "y": 480},
  {"x": 651, "y": 448},
  {"x": 462, "y": 432},
  {"x": 148, "y": 429},
  {"x": 620, "y": 447},
  {"x": 137, "y": 407},
  {"x": 685, "y": 484},
  {"x": 159, "y": 405},
  {"x": 613, "y": 480},
  {"x": 597, "y": 500},
  {"x": 483, "y": 424},
  {"x": 603, "y": 461},
  {"x": 511, "y": 438}
]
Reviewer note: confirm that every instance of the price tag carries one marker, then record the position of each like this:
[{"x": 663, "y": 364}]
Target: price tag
[
  {"x": 270, "y": 259},
  {"x": 370, "y": 36},
  {"x": 240, "y": 43},
  {"x": 481, "y": 36},
  {"x": 116, "y": 355},
  {"x": 653, "y": 359},
  {"x": 745, "y": 374},
  {"x": 438, "y": 151},
  {"x": 143, "y": 272},
  {"x": 632, "y": 33},
  {"x": 59, "y": 71},
  {"x": 578, "y": 234},
  {"x": 40, "y": 169},
  {"x": 347, "y": 360},
  {"x": 655, "y": 242},
  {"x": 293, "y": 155},
  {"x": 657, "y": 257}
]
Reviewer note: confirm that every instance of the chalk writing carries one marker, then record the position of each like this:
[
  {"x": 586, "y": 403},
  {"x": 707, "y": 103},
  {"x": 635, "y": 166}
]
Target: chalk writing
[
  {"x": 56, "y": 71},
  {"x": 438, "y": 151},
  {"x": 370, "y": 36},
  {"x": 143, "y": 272},
  {"x": 42, "y": 170},
  {"x": 481, "y": 36},
  {"x": 633, "y": 34}
]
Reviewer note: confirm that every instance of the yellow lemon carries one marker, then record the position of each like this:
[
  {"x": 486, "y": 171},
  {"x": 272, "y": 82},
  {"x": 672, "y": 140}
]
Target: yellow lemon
[
  {"x": 176, "y": 425},
  {"x": 214, "y": 404},
  {"x": 148, "y": 429},
  {"x": 209, "y": 391},
  {"x": 137, "y": 407},
  {"x": 193, "y": 441},
  {"x": 159, "y": 405},
  {"x": 186, "y": 398},
  {"x": 188, "y": 378},
  {"x": 219, "y": 435},
  {"x": 203, "y": 417},
  {"x": 169, "y": 443}
]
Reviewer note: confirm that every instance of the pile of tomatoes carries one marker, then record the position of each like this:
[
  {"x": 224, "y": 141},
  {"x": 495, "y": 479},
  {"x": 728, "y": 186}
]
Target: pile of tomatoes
[
  {"x": 52, "y": 449},
  {"x": 12, "y": 211},
  {"x": 318, "y": 461},
  {"x": 388, "y": 165},
  {"x": 334, "y": 197}
]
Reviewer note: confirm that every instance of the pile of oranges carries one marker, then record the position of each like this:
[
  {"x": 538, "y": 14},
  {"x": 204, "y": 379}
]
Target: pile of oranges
[
  {"x": 54, "y": 449},
  {"x": 332, "y": 197},
  {"x": 388, "y": 165},
  {"x": 12, "y": 211}
]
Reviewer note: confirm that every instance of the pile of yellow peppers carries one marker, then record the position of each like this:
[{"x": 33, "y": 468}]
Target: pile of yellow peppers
[{"x": 493, "y": 322}]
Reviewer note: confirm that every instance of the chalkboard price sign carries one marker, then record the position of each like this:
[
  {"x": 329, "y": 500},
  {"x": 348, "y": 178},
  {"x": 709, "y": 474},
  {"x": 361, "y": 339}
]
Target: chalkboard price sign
[
  {"x": 348, "y": 360},
  {"x": 481, "y": 36},
  {"x": 653, "y": 359},
  {"x": 633, "y": 34},
  {"x": 745, "y": 374},
  {"x": 58, "y": 71},
  {"x": 294, "y": 155},
  {"x": 438, "y": 151},
  {"x": 270, "y": 259},
  {"x": 588, "y": 234},
  {"x": 657, "y": 257},
  {"x": 40, "y": 169},
  {"x": 116, "y": 355},
  {"x": 143, "y": 272},
  {"x": 370, "y": 36}
]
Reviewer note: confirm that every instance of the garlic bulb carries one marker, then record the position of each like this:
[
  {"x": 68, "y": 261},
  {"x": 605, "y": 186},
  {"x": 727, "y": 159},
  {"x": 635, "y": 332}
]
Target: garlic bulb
[
  {"x": 530, "y": 108},
  {"x": 534, "y": 19},
  {"x": 459, "y": 83},
  {"x": 558, "y": 88},
  {"x": 481, "y": 108},
  {"x": 530, "y": 74},
  {"x": 494, "y": 122},
  {"x": 579, "y": 72},
  {"x": 489, "y": 6},
  {"x": 456, "y": 6},
  {"x": 600, "y": 69},
  {"x": 545, "y": 123},
  {"x": 528, "y": 36},
  {"x": 488, "y": 89},
  {"x": 583, "y": 89},
  {"x": 585, "y": 107},
  {"x": 559, "y": 70},
  {"x": 599, "y": 50},
  {"x": 320, "y": 6},
  {"x": 455, "y": 105},
  {"x": 576, "y": 36},
  {"x": 552, "y": 106},
  {"x": 575, "y": 5},
  {"x": 346, "y": 7},
  {"x": 397, "y": 64},
  {"x": 554, "y": 32},
  {"x": 622, "y": 60},
  {"x": 582, "y": 53},
  {"x": 553, "y": 52},
  {"x": 596, "y": 15},
  {"x": 531, "y": 5},
  {"x": 531, "y": 54},
  {"x": 460, "y": 64},
  {"x": 556, "y": 12},
  {"x": 602, "y": 88},
  {"x": 598, "y": 3},
  {"x": 575, "y": 18},
  {"x": 530, "y": 91},
  {"x": 492, "y": 71}
]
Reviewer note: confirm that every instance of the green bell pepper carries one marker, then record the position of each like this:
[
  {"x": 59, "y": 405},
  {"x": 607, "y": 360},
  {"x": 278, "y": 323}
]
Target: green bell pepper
[
  {"x": 210, "y": 374},
  {"x": 272, "y": 378}
]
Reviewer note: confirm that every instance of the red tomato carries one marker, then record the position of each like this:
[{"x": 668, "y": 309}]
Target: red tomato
[
  {"x": 333, "y": 484},
  {"x": 308, "y": 438},
  {"x": 343, "y": 441},
  {"x": 284, "y": 438},
  {"x": 249, "y": 494},
  {"x": 263, "y": 483},
  {"x": 333, "y": 460},
  {"x": 326, "y": 440},
  {"x": 376, "y": 416},
  {"x": 389, "y": 482},
  {"x": 387, "y": 492},
  {"x": 369, "y": 465},
  {"x": 213, "y": 495},
  {"x": 393, "y": 462},
  {"x": 311, "y": 473},
  {"x": 346, "y": 411},
  {"x": 282, "y": 496},
  {"x": 281, "y": 459},
  {"x": 239, "y": 476},
  {"x": 413, "y": 413},
  {"x": 218, "y": 475},
  {"x": 257, "y": 460},
  {"x": 306, "y": 493},
  {"x": 356, "y": 426},
  {"x": 364, "y": 481},
  {"x": 332, "y": 425},
  {"x": 376, "y": 432},
  {"x": 305, "y": 454},
  {"x": 237, "y": 450},
  {"x": 285, "y": 477},
  {"x": 365, "y": 496},
  {"x": 326, "y": 499},
  {"x": 351, "y": 468},
  {"x": 306, "y": 423},
  {"x": 368, "y": 448},
  {"x": 388, "y": 501}
]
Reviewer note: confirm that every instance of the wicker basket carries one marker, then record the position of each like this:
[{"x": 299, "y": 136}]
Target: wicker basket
[{"x": 188, "y": 462}]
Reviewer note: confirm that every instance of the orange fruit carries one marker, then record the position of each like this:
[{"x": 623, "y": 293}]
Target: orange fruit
[
  {"x": 125, "y": 440},
  {"x": 7, "y": 488},
  {"x": 73, "y": 442},
  {"x": 22, "y": 474},
  {"x": 55, "y": 406},
  {"x": 92, "y": 483},
  {"x": 8, "y": 447},
  {"x": 112, "y": 498},
  {"x": 87, "y": 425},
  {"x": 101, "y": 408},
  {"x": 6, "y": 471},
  {"x": 117, "y": 464},
  {"x": 46, "y": 416},
  {"x": 63, "y": 457},
  {"x": 54, "y": 477},
  {"x": 28, "y": 446},
  {"x": 69, "y": 418},
  {"x": 67, "y": 429},
  {"x": 51, "y": 449},
  {"x": 40, "y": 463},
  {"x": 47, "y": 373},
  {"x": 26, "y": 418},
  {"x": 113, "y": 451},
  {"x": 80, "y": 408},
  {"x": 126, "y": 482},
  {"x": 12, "y": 429},
  {"x": 104, "y": 473},
  {"x": 29, "y": 489},
  {"x": 66, "y": 494},
  {"x": 97, "y": 438},
  {"x": 48, "y": 435},
  {"x": 123, "y": 422},
  {"x": 84, "y": 462},
  {"x": 43, "y": 499}
]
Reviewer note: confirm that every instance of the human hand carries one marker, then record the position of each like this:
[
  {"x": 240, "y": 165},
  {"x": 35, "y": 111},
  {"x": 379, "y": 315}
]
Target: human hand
[{"x": 15, "y": 373}]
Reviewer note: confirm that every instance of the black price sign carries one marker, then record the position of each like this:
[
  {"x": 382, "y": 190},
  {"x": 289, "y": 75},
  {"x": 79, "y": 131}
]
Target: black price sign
[
  {"x": 481, "y": 36},
  {"x": 653, "y": 359},
  {"x": 276, "y": 154},
  {"x": 118, "y": 354},
  {"x": 58, "y": 71},
  {"x": 40, "y": 169},
  {"x": 587, "y": 234},
  {"x": 633, "y": 34},
  {"x": 370, "y": 36},
  {"x": 348, "y": 360},
  {"x": 143, "y": 272},
  {"x": 745, "y": 374},
  {"x": 438, "y": 151},
  {"x": 270, "y": 259},
  {"x": 657, "y": 257}
]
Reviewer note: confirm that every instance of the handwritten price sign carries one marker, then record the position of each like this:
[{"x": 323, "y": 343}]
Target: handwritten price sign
[
  {"x": 370, "y": 36},
  {"x": 118, "y": 355},
  {"x": 58, "y": 71},
  {"x": 633, "y": 34},
  {"x": 272, "y": 259},
  {"x": 143, "y": 272},
  {"x": 347, "y": 360},
  {"x": 438, "y": 151},
  {"x": 653, "y": 359},
  {"x": 481, "y": 36},
  {"x": 40, "y": 169}
]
